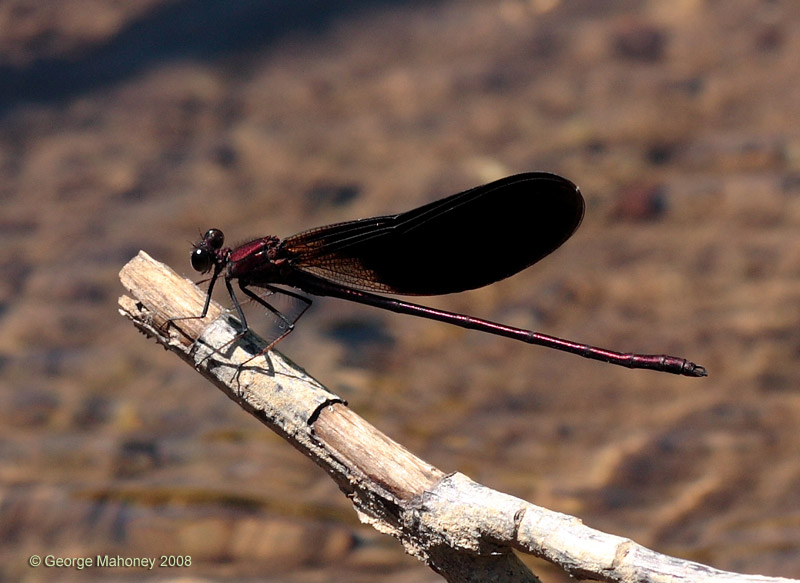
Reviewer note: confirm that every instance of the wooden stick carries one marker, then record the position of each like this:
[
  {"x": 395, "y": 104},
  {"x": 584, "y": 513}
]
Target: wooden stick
[{"x": 461, "y": 529}]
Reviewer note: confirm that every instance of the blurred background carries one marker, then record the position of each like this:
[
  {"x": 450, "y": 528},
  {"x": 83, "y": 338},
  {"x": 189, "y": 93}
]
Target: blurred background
[{"x": 136, "y": 125}]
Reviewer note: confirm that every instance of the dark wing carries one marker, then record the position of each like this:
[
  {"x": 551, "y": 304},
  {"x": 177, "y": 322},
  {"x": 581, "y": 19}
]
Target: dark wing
[{"x": 465, "y": 241}]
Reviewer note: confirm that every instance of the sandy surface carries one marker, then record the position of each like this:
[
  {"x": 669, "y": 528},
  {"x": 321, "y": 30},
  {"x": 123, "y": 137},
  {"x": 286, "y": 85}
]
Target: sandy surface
[{"x": 135, "y": 125}]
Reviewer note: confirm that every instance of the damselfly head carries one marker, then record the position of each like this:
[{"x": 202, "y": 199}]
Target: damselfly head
[{"x": 204, "y": 253}]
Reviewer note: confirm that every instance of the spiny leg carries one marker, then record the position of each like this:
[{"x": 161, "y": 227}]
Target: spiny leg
[{"x": 286, "y": 322}]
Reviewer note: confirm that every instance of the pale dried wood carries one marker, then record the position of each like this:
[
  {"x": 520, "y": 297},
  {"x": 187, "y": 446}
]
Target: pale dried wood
[{"x": 461, "y": 529}]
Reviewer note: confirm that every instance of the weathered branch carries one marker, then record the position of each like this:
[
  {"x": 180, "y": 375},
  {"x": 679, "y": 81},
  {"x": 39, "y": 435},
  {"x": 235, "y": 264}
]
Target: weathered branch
[{"x": 461, "y": 529}]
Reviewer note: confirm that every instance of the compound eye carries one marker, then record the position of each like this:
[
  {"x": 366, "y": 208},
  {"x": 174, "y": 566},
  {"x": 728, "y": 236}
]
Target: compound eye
[
  {"x": 202, "y": 260},
  {"x": 214, "y": 239}
]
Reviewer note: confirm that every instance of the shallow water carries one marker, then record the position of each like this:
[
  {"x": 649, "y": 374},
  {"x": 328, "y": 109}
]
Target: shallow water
[{"x": 677, "y": 122}]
